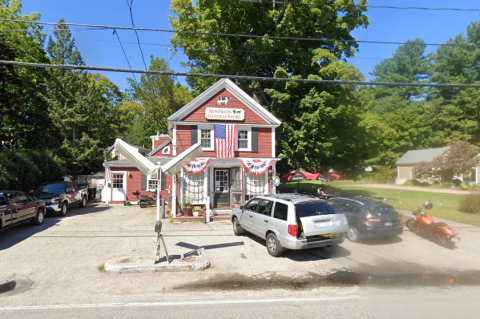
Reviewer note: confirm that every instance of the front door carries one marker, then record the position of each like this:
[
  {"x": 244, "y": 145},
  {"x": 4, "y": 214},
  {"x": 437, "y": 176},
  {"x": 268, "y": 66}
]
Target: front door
[
  {"x": 119, "y": 187},
  {"x": 221, "y": 195}
]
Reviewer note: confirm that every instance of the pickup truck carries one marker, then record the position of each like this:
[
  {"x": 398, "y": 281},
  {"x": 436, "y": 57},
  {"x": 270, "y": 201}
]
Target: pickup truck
[
  {"x": 17, "y": 207},
  {"x": 59, "y": 196}
]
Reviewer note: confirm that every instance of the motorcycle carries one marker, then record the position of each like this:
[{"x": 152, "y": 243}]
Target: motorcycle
[
  {"x": 145, "y": 200},
  {"x": 422, "y": 224}
]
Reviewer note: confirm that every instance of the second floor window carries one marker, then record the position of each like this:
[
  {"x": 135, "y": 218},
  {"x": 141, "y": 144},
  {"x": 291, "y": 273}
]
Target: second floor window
[
  {"x": 206, "y": 138},
  {"x": 242, "y": 140}
]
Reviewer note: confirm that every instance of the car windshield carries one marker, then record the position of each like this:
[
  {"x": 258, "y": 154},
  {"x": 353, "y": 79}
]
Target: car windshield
[
  {"x": 52, "y": 188},
  {"x": 380, "y": 211},
  {"x": 308, "y": 209}
]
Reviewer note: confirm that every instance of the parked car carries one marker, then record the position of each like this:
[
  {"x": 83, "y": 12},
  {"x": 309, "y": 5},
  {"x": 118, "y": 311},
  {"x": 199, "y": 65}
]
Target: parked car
[
  {"x": 59, "y": 196},
  {"x": 18, "y": 207},
  {"x": 290, "y": 221},
  {"x": 368, "y": 217}
]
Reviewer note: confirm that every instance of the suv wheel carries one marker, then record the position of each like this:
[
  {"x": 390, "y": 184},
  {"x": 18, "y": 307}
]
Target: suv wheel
[
  {"x": 63, "y": 209},
  {"x": 273, "y": 245},
  {"x": 237, "y": 229},
  {"x": 353, "y": 234}
]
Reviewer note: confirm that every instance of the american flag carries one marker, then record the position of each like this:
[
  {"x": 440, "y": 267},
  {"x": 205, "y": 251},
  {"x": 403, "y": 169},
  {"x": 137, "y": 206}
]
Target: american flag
[
  {"x": 225, "y": 140},
  {"x": 108, "y": 173}
]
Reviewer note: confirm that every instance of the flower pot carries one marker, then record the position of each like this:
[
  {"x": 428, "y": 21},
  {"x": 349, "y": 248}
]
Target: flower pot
[{"x": 187, "y": 211}]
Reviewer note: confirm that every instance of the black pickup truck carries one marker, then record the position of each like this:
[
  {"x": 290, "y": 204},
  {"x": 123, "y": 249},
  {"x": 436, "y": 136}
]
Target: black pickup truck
[
  {"x": 17, "y": 207},
  {"x": 59, "y": 196}
]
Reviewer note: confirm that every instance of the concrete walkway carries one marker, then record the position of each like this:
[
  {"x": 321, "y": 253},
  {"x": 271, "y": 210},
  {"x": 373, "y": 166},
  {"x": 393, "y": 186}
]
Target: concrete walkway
[{"x": 412, "y": 188}]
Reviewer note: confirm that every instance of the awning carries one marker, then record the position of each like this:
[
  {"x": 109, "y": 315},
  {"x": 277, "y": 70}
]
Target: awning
[
  {"x": 134, "y": 157},
  {"x": 176, "y": 164}
]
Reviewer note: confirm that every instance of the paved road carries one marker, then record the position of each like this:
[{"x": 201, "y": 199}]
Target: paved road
[{"x": 55, "y": 267}]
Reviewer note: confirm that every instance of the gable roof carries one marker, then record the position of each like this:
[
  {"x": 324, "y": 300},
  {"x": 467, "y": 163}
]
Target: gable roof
[
  {"x": 418, "y": 156},
  {"x": 158, "y": 148},
  {"x": 236, "y": 91},
  {"x": 125, "y": 163}
]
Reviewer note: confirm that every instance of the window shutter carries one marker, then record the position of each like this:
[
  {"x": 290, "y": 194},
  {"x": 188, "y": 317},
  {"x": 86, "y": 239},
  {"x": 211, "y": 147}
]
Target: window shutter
[
  {"x": 163, "y": 181},
  {"x": 254, "y": 139},
  {"x": 144, "y": 181},
  {"x": 194, "y": 134}
]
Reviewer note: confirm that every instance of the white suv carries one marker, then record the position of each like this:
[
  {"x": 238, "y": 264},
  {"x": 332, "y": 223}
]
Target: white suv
[{"x": 290, "y": 221}]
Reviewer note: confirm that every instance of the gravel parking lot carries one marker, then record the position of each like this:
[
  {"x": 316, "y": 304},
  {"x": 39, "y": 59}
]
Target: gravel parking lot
[{"x": 60, "y": 261}]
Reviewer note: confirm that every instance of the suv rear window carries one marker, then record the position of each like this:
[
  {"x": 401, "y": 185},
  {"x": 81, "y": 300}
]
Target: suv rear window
[
  {"x": 280, "y": 211},
  {"x": 307, "y": 209},
  {"x": 380, "y": 211}
]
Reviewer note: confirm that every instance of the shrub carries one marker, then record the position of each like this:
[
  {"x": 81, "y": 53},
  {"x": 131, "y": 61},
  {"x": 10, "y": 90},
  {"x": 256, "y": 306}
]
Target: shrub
[
  {"x": 383, "y": 175},
  {"x": 465, "y": 186},
  {"x": 456, "y": 182},
  {"x": 471, "y": 203}
]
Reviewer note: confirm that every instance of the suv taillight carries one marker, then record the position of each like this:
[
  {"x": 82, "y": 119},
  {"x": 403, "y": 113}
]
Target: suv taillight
[{"x": 292, "y": 230}]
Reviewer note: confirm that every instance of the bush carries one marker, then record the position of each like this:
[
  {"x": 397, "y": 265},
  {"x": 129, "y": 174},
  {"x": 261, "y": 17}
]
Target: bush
[
  {"x": 383, "y": 175},
  {"x": 471, "y": 203},
  {"x": 465, "y": 186}
]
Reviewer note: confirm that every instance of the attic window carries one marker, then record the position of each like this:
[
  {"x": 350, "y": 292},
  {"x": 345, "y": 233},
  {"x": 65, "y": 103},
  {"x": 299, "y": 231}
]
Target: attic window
[
  {"x": 166, "y": 150},
  {"x": 223, "y": 100}
]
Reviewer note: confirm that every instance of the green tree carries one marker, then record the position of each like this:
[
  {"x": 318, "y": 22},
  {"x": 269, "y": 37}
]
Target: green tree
[
  {"x": 409, "y": 64},
  {"x": 23, "y": 109},
  {"x": 316, "y": 118},
  {"x": 152, "y": 100}
]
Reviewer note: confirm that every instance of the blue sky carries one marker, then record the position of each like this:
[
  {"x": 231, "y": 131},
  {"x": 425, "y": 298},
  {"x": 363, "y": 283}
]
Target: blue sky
[{"x": 101, "y": 47}]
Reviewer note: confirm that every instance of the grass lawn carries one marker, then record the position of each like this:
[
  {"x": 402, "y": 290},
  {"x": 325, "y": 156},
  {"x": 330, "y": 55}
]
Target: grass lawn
[{"x": 444, "y": 205}]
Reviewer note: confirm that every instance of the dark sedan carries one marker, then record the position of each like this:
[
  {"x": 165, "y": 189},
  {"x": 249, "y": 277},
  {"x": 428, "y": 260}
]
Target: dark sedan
[{"x": 368, "y": 217}]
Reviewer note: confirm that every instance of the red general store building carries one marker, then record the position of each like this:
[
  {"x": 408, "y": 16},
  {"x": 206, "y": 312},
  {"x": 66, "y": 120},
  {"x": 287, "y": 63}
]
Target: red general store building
[{"x": 236, "y": 161}]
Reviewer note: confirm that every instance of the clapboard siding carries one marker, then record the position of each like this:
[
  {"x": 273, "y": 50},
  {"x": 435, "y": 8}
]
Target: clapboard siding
[
  {"x": 198, "y": 115},
  {"x": 264, "y": 143}
]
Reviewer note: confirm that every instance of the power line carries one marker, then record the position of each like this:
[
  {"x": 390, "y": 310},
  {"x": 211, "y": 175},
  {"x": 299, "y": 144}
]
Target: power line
[
  {"x": 235, "y": 77},
  {"x": 124, "y": 53},
  {"x": 249, "y": 35},
  {"x": 366, "y": 6},
  {"x": 136, "y": 33}
]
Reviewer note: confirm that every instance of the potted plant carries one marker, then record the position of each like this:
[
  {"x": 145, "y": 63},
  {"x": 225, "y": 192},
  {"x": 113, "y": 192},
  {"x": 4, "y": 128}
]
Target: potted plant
[
  {"x": 197, "y": 210},
  {"x": 187, "y": 209},
  {"x": 127, "y": 202}
]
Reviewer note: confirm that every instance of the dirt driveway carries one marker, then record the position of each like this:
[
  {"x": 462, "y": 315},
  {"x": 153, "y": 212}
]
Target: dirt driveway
[{"x": 60, "y": 261}]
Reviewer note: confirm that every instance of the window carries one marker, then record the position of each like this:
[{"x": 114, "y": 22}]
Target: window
[
  {"x": 242, "y": 140},
  {"x": 206, "y": 138},
  {"x": 308, "y": 209},
  {"x": 255, "y": 185},
  {"x": 280, "y": 211},
  {"x": 252, "y": 205},
  {"x": 117, "y": 180},
  {"x": 265, "y": 207},
  {"x": 152, "y": 184},
  {"x": 193, "y": 186}
]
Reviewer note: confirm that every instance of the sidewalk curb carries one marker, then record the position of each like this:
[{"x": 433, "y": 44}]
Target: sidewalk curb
[{"x": 128, "y": 265}]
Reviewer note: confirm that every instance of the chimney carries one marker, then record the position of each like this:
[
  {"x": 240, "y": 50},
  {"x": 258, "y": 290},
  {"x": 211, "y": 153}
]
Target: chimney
[{"x": 258, "y": 96}]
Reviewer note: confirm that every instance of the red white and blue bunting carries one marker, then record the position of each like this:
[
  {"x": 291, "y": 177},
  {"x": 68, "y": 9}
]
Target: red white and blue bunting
[
  {"x": 196, "y": 166},
  {"x": 256, "y": 166}
]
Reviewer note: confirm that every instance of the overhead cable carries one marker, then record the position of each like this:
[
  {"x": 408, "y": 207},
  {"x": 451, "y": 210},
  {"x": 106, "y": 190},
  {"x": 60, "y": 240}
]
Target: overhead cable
[
  {"x": 247, "y": 35},
  {"x": 236, "y": 77}
]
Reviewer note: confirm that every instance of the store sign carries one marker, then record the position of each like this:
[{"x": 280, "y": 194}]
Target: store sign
[
  {"x": 197, "y": 166},
  {"x": 256, "y": 166},
  {"x": 215, "y": 113}
]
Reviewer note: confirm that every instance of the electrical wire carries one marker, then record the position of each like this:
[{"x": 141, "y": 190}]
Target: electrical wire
[
  {"x": 124, "y": 53},
  {"x": 366, "y": 6},
  {"x": 136, "y": 33},
  {"x": 251, "y": 35},
  {"x": 237, "y": 77}
]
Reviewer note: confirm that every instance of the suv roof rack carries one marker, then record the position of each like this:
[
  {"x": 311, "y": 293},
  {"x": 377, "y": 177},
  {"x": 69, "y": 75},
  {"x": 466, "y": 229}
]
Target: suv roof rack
[{"x": 292, "y": 197}]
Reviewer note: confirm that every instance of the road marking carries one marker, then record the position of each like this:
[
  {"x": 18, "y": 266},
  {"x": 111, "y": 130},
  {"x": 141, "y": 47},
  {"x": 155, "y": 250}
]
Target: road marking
[{"x": 169, "y": 304}]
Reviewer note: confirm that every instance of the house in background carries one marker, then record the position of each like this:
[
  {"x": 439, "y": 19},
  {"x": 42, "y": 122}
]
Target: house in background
[
  {"x": 237, "y": 159},
  {"x": 407, "y": 162},
  {"x": 111, "y": 153}
]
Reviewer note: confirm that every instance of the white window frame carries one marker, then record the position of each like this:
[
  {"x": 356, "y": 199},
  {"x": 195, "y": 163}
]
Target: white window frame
[
  {"x": 199, "y": 186},
  {"x": 212, "y": 137},
  {"x": 249, "y": 137},
  {"x": 148, "y": 183}
]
